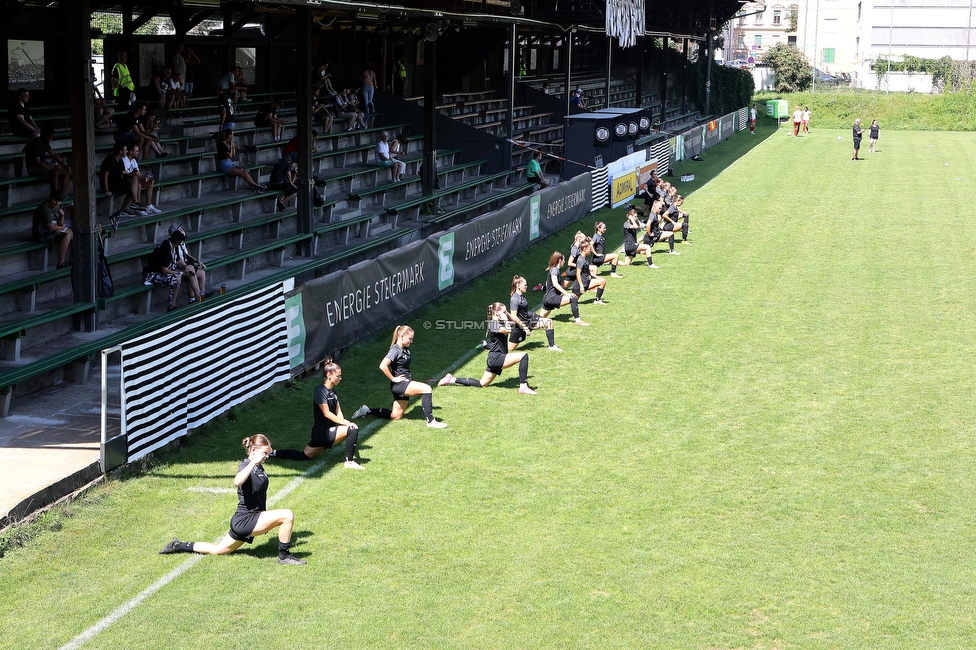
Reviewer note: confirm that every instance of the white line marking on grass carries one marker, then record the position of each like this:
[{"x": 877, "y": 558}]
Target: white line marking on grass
[
  {"x": 124, "y": 609},
  {"x": 211, "y": 490}
]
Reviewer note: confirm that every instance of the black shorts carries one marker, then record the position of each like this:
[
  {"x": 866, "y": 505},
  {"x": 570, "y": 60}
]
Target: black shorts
[
  {"x": 262, "y": 123},
  {"x": 52, "y": 236},
  {"x": 630, "y": 252},
  {"x": 672, "y": 227},
  {"x": 398, "y": 389},
  {"x": 579, "y": 288},
  {"x": 128, "y": 139},
  {"x": 323, "y": 438},
  {"x": 242, "y": 524},
  {"x": 857, "y": 143},
  {"x": 555, "y": 303},
  {"x": 599, "y": 260},
  {"x": 496, "y": 364}
]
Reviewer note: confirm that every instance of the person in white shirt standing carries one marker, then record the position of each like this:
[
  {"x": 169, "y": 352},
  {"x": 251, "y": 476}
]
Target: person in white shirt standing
[
  {"x": 797, "y": 120},
  {"x": 752, "y": 120},
  {"x": 806, "y": 119}
]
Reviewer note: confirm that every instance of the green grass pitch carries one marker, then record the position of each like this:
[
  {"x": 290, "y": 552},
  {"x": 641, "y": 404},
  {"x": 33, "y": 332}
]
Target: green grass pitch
[{"x": 768, "y": 443}]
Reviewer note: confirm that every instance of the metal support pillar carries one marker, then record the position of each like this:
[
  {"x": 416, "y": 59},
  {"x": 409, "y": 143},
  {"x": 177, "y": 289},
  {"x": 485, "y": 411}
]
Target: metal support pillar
[
  {"x": 84, "y": 256},
  {"x": 513, "y": 62},
  {"x": 664, "y": 84},
  {"x": 686, "y": 44},
  {"x": 306, "y": 188},
  {"x": 428, "y": 179},
  {"x": 568, "y": 67},
  {"x": 606, "y": 101},
  {"x": 228, "y": 33},
  {"x": 708, "y": 73},
  {"x": 639, "y": 100}
]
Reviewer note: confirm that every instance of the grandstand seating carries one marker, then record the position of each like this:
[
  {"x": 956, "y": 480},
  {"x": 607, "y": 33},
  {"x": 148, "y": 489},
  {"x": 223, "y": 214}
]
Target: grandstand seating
[{"x": 244, "y": 239}]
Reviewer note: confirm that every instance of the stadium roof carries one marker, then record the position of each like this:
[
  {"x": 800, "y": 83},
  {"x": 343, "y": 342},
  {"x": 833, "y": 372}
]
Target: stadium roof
[{"x": 679, "y": 18}]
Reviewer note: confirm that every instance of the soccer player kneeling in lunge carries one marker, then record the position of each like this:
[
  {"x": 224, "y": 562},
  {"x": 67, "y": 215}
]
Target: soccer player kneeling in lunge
[
  {"x": 251, "y": 518},
  {"x": 500, "y": 323}
]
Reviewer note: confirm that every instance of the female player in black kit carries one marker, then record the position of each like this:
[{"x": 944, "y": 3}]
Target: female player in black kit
[
  {"x": 631, "y": 248},
  {"x": 329, "y": 425},
  {"x": 396, "y": 366},
  {"x": 584, "y": 282},
  {"x": 600, "y": 256},
  {"x": 499, "y": 357},
  {"x": 533, "y": 321},
  {"x": 252, "y": 518},
  {"x": 654, "y": 232},
  {"x": 555, "y": 296}
]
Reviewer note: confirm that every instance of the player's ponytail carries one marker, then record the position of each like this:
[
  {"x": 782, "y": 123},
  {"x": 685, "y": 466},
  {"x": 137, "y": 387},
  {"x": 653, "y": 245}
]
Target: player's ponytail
[
  {"x": 400, "y": 329},
  {"x": 515, "y": 281}
]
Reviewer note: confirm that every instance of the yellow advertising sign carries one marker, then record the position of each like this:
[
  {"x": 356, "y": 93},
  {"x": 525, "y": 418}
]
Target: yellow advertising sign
[{"x": 623, "y": 188}]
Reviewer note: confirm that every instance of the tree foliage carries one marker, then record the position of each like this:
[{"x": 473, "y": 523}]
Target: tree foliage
[
  {"x": 792, "y": 68},
  {"x": 731, "y": 89},
  {"x": 792, "y": 18}
]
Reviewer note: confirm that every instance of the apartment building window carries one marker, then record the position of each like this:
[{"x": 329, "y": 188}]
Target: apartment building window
[
  {"x": 759, "y": 17},
  {"x": 828, "y": 55},
  {"x": 741, "y": 42},
  {"x": 791, "y": 41},
  {"x": 758, "y": 40},
  {"x": 777, "y": 16}
]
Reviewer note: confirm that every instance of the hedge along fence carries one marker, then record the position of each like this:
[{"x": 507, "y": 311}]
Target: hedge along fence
[
  {"x": 732, "y": 88},
  {"x": 947, "y": 75}
]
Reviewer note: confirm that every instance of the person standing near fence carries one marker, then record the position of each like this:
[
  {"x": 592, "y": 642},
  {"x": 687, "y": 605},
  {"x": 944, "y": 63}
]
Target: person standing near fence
[{"x": 752, "y": 120}]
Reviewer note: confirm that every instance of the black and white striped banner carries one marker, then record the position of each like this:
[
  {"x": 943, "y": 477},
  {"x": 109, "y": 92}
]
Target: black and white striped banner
[
  {"x": 741, "y": 118},
  {"x": 185, "y": 374},
  {"x": 600, "y": 179},
  {"x": 661, "y": 149}
]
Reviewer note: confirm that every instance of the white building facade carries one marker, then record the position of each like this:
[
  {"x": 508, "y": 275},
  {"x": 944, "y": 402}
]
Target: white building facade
[{"x": 848, "y": 36}]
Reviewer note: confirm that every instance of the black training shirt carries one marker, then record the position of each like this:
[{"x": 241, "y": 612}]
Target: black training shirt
[
  {"x": 400, "y": 362},
  {"x": 497, "y": 341},
  {"x": 252, "y": 494},
  {"x": 327, "y": 396}
]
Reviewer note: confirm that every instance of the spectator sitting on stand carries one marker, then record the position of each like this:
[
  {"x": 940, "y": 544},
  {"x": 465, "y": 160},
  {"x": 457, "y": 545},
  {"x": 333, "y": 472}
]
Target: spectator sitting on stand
[
  {"x": 226, "y": 152},
  {"x": 176, "y": 86},
  {"x": 193, "y": 271},
  {"x": 19, "y": 115},
  {"x": 228, "y": 85},
  {"x": 147, "y": 127},
  {"x": 49, "y": 226},
  {"x": 268, "y": 116},
  {"x": 36, "y": 161},
  {"x": 143, "y": 181},
  {"x": 283, "y": 178},
  {"x": 348, "y": 107},
  {"x": 240, "y": 83},
  {"x": 114, "y": 181},
  {"x": 163, "y": 90},
  {"x": 384, "y": 158},
  {"x": 533, "y": 171},
  {"x": 320, "y": 109},
  {"x": 291, "y": 147},
  {"x": 162, "y": 271}
]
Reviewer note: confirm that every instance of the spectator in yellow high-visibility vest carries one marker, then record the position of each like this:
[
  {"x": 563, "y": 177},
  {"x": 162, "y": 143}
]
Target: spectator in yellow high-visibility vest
[{"x": 123, "y": 88}]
